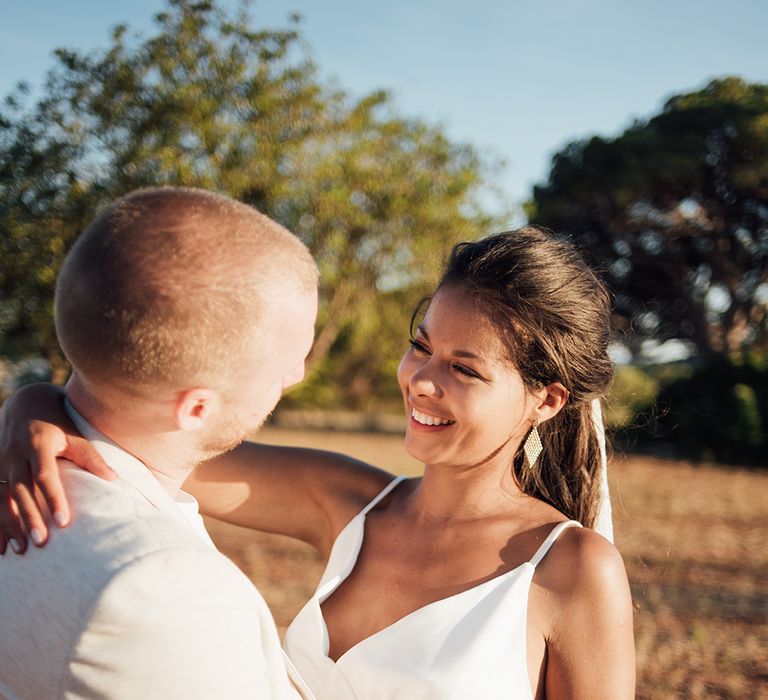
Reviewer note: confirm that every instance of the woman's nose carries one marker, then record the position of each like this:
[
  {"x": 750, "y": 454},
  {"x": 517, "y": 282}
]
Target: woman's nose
[{"x": 424, "y": 381}]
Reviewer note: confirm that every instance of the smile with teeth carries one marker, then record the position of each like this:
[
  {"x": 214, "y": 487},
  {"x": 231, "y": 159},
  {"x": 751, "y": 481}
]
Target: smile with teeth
[{"x": 425, "y": 419}]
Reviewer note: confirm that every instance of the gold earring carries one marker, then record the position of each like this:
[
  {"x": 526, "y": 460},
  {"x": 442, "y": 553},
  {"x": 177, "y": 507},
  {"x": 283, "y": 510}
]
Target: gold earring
[{"x": 532, "y": 446}]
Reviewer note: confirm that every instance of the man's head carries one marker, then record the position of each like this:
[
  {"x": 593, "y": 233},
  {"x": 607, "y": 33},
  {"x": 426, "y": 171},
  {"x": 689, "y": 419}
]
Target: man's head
[{"x": 191, "y": 294}]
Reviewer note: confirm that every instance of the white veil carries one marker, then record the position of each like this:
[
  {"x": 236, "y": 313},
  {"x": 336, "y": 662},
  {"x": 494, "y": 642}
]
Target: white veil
[{"x": 603, "y": 522}]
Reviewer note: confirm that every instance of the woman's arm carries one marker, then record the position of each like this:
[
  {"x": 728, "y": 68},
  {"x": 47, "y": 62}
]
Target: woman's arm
[
  {"x": 303, "y": 493},
  {"x": 590, "y": 641},
  {"x": 300, "y": 492}
]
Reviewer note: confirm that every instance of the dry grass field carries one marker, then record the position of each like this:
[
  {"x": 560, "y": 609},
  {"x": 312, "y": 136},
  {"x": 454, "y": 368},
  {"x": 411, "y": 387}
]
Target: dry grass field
[{"x": 694, "y": 539}]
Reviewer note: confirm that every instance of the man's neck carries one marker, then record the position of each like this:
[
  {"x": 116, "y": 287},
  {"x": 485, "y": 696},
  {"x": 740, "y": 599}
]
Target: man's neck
[{"x": 139, "y": 431}]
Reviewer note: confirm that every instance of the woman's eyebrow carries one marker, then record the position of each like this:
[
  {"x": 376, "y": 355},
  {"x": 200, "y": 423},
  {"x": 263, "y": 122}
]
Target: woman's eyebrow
[
  {"x": 456, "y": 353},
  {"x": 467, "y": 354}
]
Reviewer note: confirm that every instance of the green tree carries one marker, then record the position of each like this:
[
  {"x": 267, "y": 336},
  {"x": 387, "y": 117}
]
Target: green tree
[
  {"x": 632, "y": 393},
  {"x": 210, "y": 101},
  {"x": 675, "y": 210},
  {"x": 719, "y": 411}
]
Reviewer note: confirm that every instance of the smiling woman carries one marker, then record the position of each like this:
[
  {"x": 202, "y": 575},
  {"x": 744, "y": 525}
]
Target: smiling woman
[
  {"x": 475, "y": 580},
  {"x": 539, "y": 309},
  {"x": 483, "y": 578},
  {"x": 457, "y": 382}
]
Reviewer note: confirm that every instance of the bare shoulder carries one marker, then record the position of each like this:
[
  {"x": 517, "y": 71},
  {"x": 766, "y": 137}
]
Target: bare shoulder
[
  {"x": 585, "y": 595},
  {"x": 582, "y": 564}
]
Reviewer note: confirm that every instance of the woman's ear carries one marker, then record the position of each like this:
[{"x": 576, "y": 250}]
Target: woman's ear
[
  {"x": 195, "y": 408},
  {"x": 551, "y": 400}
]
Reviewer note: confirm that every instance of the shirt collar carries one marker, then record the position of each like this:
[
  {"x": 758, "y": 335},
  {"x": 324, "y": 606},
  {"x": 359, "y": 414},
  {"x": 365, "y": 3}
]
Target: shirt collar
[{"x": 129, "y": 469}]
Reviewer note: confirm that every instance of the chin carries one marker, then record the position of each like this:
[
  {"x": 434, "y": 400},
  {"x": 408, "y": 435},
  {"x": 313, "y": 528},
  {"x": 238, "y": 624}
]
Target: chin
[
  {"x": 419, "y": 453},
  {"x": 219, "y": 446}
]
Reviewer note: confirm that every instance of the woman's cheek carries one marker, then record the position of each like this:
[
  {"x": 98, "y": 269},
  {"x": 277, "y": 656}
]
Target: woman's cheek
[{"x": 404, "y": 370}]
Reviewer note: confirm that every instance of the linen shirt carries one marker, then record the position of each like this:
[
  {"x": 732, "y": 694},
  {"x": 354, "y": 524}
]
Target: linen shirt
[{"x": 133, "y": 601}]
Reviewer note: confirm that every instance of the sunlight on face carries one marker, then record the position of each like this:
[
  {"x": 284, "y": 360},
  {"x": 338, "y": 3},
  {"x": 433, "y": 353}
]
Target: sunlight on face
[
  {"x": 467, "y": 405},
  {"x": 290, "y": 330}
]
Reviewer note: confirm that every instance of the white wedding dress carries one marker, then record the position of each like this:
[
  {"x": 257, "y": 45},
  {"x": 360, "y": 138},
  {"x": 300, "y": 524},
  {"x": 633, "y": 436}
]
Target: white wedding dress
[{"x": 469, "y": 645}]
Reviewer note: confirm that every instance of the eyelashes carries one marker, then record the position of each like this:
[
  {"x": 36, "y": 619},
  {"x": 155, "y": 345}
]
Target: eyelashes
[
  {"x": 417, "y": 346},
  {"x": 461, "y": 369},
  {"x": 421, "y": 349}
]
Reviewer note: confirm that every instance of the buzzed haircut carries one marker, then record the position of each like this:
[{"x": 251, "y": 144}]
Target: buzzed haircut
[{"x": 169, "y": 286}]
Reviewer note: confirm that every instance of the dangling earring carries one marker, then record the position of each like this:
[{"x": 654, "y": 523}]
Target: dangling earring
[{"x": 532, "y": 445}]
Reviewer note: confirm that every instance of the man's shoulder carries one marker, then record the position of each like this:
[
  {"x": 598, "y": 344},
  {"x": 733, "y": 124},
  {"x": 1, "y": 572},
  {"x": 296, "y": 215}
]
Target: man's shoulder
[
  {"x": 114, "y": 529},
  {"x": 123, "y": 566},
  {"x": 121, "y": 519}
]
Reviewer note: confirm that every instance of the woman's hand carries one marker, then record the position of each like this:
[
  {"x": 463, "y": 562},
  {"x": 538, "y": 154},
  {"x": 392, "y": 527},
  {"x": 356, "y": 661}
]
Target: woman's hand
[{"x": 34, "y": 432}]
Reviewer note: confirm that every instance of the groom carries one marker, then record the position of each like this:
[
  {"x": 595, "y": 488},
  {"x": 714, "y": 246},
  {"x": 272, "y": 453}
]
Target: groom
[{"x": 184, "y": 315}]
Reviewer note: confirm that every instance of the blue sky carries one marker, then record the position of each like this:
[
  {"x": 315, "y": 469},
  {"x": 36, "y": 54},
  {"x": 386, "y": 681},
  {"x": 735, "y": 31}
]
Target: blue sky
[{"x": 518, "y": 79}]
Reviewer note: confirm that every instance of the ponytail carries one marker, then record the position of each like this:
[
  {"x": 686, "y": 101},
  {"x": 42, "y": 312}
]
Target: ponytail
[
  {"x": 568, "y": 472},
  {"x": 553, "y": 314}
]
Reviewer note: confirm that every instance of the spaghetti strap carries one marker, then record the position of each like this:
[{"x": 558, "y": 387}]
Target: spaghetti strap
[
  {"x": 551, "y": 539},
  {"x": 382, "y": 494}
]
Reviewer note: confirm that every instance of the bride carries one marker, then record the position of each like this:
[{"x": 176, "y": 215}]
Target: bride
[{"x": 484, "y": 578}]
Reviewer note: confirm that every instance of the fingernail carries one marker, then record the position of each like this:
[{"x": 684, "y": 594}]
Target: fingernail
[
  {"x": 15, "y": 546},
  {"x": 59, "y": 518},
  {"x": 37, "y": 536}
]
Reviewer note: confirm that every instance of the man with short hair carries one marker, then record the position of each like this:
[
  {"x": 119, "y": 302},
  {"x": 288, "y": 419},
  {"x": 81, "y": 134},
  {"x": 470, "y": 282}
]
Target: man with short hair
[{"x": 184, "y": 315}]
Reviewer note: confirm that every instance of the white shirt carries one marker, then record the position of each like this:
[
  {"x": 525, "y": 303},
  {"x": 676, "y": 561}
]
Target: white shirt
[{"x": 131, "y": 601}]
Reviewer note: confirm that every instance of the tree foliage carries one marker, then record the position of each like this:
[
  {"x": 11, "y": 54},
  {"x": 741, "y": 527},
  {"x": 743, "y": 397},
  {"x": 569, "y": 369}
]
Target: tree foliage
[
  {"x": 719, "y": 412},
  {"x": 675, "y": 210},
  {"x": 209, "y": 101}
]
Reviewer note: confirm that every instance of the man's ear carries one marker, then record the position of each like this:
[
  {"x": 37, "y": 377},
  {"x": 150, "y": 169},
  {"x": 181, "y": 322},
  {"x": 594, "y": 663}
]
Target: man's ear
[
  {"x": 550, "y": 400},
  {"x": 195, "y": 408}
]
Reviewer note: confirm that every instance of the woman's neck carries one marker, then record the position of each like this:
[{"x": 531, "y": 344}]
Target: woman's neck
[{"x": 453, "y": 493}]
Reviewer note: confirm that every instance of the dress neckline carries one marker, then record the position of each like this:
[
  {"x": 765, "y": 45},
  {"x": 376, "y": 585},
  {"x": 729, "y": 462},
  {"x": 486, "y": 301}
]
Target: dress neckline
[{"x": 359, "y": 521}]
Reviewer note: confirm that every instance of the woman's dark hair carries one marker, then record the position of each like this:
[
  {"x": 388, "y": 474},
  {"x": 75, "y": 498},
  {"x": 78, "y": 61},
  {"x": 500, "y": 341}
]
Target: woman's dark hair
[{"x": 553, "y": 314}]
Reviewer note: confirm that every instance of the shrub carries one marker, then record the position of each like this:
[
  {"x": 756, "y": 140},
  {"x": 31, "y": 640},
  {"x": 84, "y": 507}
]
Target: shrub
[
  {"x": 633, "y": 392},
  {"x": 720, "y": 412}
]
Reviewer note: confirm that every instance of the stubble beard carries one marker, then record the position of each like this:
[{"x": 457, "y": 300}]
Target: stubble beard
[{"x": 225, "y": 437}]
